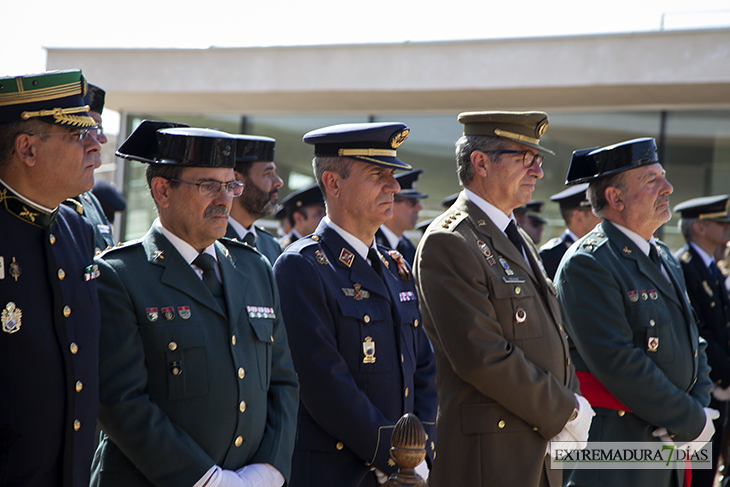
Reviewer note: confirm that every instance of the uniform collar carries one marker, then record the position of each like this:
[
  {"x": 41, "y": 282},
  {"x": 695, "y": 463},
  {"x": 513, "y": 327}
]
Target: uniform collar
[
  {"x": 25, "y": 209},
  {"x": 393, "y": 239},
  {"x": 240, "y": 230},
  {"x": 185, "y": 249},
  {"x": 495, "y": 214},
  {"x": 355, "y": 243},
  {"x": 636, "y": 238},
  {"x": 706, "y": 258}
]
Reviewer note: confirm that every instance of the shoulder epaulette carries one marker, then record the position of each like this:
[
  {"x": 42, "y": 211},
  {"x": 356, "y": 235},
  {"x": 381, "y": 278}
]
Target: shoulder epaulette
[
  {"x": 121, "y": 246},
  {"x": 451, "y": 219},
  {"x": 75, "y": 204},
  {"x": 263, "y": 230},
  {"x": 551, "y": 244},
  {"x": 686, "y": 257},
  {"x": 592, "y": 241}
]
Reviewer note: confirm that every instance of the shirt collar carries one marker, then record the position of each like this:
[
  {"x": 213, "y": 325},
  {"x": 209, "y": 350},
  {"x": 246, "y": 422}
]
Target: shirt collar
[
  {"x": 643, "y": 245},
  {"x": 185, "y": 249},
  {"x": 240, "y": 230},
  {"x": 706, "y": 258},
  {"x": 26, "y": 200},
  {"x": 355, "y": 243},
  {"x": 393, "y": 239},
  {"x": 495, "y": 214}
]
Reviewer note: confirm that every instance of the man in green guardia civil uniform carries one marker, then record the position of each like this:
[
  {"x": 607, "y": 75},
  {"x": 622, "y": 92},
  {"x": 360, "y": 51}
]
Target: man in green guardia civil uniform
[
  {"x": 637, "y": 353},
  {"x": 197, "y": 386}
]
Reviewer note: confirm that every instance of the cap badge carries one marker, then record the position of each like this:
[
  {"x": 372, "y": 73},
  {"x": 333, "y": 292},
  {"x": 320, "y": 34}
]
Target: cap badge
[
  {"x": 399, "y": 138},
  {"x": 10, "y": 318},
  {"x": 346, "y": 257},
  {"x": 542, "y": 128},
  {"x": 368, "y": 349}
]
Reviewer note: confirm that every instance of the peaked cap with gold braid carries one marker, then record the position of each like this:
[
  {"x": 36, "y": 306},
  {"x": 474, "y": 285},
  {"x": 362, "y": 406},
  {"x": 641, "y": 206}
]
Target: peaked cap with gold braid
[{"x": 55, "y": 97}]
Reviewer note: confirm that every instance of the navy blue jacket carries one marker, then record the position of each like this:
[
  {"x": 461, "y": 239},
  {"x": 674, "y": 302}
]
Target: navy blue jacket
[
  {"x": 49, "y": 365},
  {"x": 337, "y": 310},
  {"x": 552, "y": 252}
]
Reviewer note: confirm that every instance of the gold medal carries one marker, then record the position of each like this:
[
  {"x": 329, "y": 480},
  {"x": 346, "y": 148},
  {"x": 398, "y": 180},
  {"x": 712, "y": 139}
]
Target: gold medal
[{"x": 368, "y": 348}]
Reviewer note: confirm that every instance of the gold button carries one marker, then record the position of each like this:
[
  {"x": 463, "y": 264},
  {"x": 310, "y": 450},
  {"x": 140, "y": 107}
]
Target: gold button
[
  {"x": 233, "y": 340},
  {"x": 66, "y": 311},
  {"x": 501, "y": 424},
  {"x": 518, "y": 289},
  {"x": 242, "y": 406},
  {"x": 695, "y": 353},
  {"x": 73, "y": 347},
  {"x": 415, "y": 322},
  {"x": 61, "y": 274},
  {"x": 402, "y": 359},
  {"x": 272, "y": 338},
  {"x": 652, "y": 322},
  {"x": 315, "y": 238},
  {"x": 534, "y": 428},
  {"x": 339, "y": 445},
  {"x": 712, "y": 304},
  {"x": 239, "y": 441},
  {"x": 52, "y": 239},
  {"x": 241, "y": 373},
  {"x": 568, "y": 361},
  {"x": 406, "y": 392},
  {"x": 172, "y": 346},
  {"x": 621, "y": 413},
  {"x": 79, "y": 386},
  {"x": 366, "y": 319},
  {"x": 77, "y": 425}
]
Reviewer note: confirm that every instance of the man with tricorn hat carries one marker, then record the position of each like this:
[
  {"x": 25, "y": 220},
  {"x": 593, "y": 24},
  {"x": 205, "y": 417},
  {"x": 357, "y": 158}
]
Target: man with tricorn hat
[
  {"x": 634, "y": 342},
  {"x": 197, "y": 384},
  {"x": 351, "y": 311},
  {"x": 505, "y": 382},
  {"x": 48, "y": 300},
  {"x": 304, "y": 210}
]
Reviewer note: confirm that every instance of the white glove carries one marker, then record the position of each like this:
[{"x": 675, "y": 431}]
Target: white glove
[
  {"x": 260, "y": 475},
  {"x": 721, "y": 394},
  {"x": 217, "y": 477},
  {"x": 422, "y": 470},
  {"x": 575, "y": 432},
  {"x": 382, "y": 478},
  {"x": 704, "y": 437}
]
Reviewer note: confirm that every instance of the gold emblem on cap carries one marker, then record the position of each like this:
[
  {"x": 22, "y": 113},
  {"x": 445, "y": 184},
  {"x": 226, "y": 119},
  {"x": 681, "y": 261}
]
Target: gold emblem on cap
[
  {"x": 399, "y": 138},
  {"x": 542, "y": 128}
]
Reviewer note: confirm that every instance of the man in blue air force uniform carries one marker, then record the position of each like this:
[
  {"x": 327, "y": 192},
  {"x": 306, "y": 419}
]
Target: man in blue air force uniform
[
  {"x": 48, "y": 300},
  {"x": 351, "y": 310},
  {"x": 637, "y": 353},
  {"x": 303, "y": 209},
  {"x": 705, "y": 225},
  {"x": 256, "y": 169},
  {"x": 197, "y": 383}
]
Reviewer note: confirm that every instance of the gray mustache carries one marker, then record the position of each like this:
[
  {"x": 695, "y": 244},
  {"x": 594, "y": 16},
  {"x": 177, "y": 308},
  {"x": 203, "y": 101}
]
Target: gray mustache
[{"x": 216, "y": 210}]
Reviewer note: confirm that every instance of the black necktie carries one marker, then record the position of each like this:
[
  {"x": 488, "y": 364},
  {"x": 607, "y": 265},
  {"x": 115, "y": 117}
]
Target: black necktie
[
  {"x": 714, "y": 272},
  {"x": 514, "y": 235},
  {"x": 654, "y": 256},
  {"x": 374, "y": 259},
  {"x": 206, "y": 263},
  {"x": 250, "y": 239}
]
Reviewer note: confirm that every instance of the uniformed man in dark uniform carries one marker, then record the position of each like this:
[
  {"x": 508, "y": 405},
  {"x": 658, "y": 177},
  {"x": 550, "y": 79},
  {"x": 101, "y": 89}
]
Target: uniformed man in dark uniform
[
  {"x": 304, "y": 209},
  {"x": 529, "y": 218},
  {"x": 48, "y": 300},
  {"x": 197, "y": 383},
  {"x": 579, "y": 220},
  {"x": 256, "y": 169},
  {"x": 639, "y": 358},
  {"x": 351, "y": 311},
  {"x": 406, "y": 206},
  {"x": 705, "y": 225},
  {"x": 87, "y": 204}
]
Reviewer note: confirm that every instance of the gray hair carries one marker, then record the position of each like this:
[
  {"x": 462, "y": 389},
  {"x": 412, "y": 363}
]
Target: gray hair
[
  {"x": 685, "y": 226},
  {"x": 468, "y": 144},
  {"x": 342, "y": 166},
  {"x": 166, "y": 171},
  {"x": 10, "y": 131},
  {"x": 596, "y": 192}
]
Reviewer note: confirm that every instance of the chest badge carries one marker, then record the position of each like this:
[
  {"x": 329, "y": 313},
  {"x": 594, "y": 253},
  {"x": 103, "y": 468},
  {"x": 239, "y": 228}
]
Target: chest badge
[
  {"x": 168, "y": 313},
  {"x": 707, "y": 288},
  {"x": 346, "y": 257},
  {"x": 403, "y": 272},
  {"x": 368, "y": 349},
  {"x": 506, "y": 267},
  {"x": 487, "y": 253},
  {"x": 10, "y": 318},
  {"x": 652, "y": 344},
  {"x": 356, "y": 291},
  {"x": 158, "y": 255},
  {"x": 91, "y": 272},
  {"x": 184, "y": 312},
  {"x": 633, "y": 296},
  {"x": 15, "y": 270},
  {"x": 653, "y": 294},
  {"x": 152, "y": 314}
]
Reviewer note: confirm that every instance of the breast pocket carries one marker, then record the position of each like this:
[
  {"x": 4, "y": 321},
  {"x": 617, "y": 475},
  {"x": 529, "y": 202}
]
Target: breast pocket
[
  {"x": 368, "y": 340},
  {"x": 517, "y": 300},
  {"x": 653, "y": 332},
  {"x": 264, "y": 331},
  {"x": 176, "y": 360}
]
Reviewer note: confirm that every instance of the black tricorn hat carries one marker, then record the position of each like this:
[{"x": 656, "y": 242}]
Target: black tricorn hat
[
  {"x": 156, "y": 142},
  {"x": 573, "y": 197},
  {"x": 253, "y": 148},
  {"x": 95, "y": 98},
  {"x": 611, "y": 159}
]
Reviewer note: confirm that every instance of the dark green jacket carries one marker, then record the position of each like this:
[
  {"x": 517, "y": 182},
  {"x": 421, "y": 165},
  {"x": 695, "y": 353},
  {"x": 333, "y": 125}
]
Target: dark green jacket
[
  {"x": 88, "y": 206},
  {"x": 184, "y": 387},
  {"x": 265, "y": 242}
]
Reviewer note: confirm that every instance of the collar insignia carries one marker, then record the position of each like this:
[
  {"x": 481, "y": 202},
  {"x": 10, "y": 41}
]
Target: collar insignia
[{"x": 346, "y": 257}]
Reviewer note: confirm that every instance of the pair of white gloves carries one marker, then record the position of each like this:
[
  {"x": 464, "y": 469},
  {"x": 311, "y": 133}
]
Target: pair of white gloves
[
  {"x": 575, "y": 433},
  {"x": 254, "y": 475},
  {"x": 705, "y": 435}
]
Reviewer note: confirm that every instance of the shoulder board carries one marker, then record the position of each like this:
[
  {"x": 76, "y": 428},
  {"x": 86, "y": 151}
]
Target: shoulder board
[
  {"x": 263, "y": 230},
  {"x": 75, "y": 204},
  {"x": 686, "y": 257},
  {"x": 121, "y": 246},
  {"x": 234, "y": 242},
  {"x": 592, "y": 241},
  {"x": 449, "y": 220},
  {"x": 551, "y": 244}
]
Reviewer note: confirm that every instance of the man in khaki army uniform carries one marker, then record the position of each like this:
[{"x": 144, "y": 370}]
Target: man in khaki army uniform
[{"x": 505, "y": 382}]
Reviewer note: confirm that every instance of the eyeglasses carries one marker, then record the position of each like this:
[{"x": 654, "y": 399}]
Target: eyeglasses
[
  {"x": 98, "y": 130},
  {"x": 80, "y": 135},
  {"x": 528, "y": 157},
  {"x": 206, "y": 188}
]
